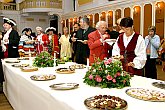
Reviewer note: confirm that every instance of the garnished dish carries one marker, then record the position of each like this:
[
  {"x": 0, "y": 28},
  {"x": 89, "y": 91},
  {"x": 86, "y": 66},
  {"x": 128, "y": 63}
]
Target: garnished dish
[
  {"x": 77, "y": 66},
  {"x": 12, "y": 61},
  {"x": 43, "y": 77},
  {"x": 29, "y": 69},
  {"x": 160, "y": 85},
  {"x": 20, "y": 65},
  {"x": 64, "y": 86},
  {"x": 105, "y": 102},
  {"x": 65, "y": 70},
  {"x": 146, "y": 94},
  {"x": 23, "y": 58}
]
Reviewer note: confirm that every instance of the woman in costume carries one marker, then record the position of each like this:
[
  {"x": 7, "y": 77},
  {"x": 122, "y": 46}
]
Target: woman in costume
[{"x": 26, "y": 44}]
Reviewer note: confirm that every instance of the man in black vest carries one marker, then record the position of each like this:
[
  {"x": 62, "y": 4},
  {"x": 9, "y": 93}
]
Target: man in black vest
[{"x": 10, "y": 39}]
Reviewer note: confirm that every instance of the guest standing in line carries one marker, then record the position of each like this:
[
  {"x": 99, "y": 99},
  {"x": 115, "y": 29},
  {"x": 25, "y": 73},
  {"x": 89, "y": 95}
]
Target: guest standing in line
[
  {"x": 66, "y": 50},
  {"x": 152, "y": 42},
  {"x": 53, "y": 41},
  {"x": 26, "y": 43},
  {"x": 82, "y": 49},
  {"x": 10, "y": 40},
  {"x": 96, "y": 42},
  {"x": 73, "y": 38},
  {"x": 130, "y": 46},
  {"x": 42, "y": 41}
]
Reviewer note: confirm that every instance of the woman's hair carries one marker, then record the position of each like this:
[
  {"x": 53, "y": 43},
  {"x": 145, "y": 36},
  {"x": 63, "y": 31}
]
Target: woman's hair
[
  {"x": 153, "y": 28},
  {"x": 126, "y": 22}
]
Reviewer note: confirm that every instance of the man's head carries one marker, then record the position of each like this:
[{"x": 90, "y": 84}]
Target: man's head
[
  {"x": 84, "y": 22},
  {"x": 151, "y": 30},
  {"x": 8, "y": 23},
  {"x": 66, "y": 30},
  {"x": 76, "y": 26},
  {"x": 50, "y": 30},
  {"x": 101, "y": 26},
  {"x": 39, "y": 30}
]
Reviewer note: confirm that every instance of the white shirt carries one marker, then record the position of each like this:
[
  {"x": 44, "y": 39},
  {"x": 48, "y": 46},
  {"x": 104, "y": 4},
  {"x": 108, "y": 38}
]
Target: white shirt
[
  {"x": 140, "y": 50},
  {"x": 6, "y": 36}
]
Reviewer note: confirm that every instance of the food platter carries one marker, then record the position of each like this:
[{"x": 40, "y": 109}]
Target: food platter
[
  {"x": 146, "y": 94},
  {"x": 12, "y": 61},
  {"x": 160, "y": 85},
  {"x": 77, "y": 66},
  {"x": 105, "y": 102},
  {"x": 64, "y": 86},
  {"x": 23, "y": 58},
  {"x": 29, "y": 69},
  {"x": 20, "y": 65},
  {"x": 43, "y": 77},
  {"x": 65, "y": 70}
]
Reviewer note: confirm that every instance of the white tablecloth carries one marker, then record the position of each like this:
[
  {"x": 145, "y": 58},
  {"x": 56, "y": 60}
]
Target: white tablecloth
[{"x": 26, "y": 94}]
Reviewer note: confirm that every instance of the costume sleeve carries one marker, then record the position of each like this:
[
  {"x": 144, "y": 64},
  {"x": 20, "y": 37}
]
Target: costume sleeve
[
  {"x": 116, "y": 49},
  {"x": 93, "y": 43},
  {"x": 14, "y": 39},
  {"x": 45, "y": 39},
  {"x": 140, "y": 52}
]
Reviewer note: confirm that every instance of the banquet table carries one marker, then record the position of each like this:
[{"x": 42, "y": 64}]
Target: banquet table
[{"x": 26, "y": 94}]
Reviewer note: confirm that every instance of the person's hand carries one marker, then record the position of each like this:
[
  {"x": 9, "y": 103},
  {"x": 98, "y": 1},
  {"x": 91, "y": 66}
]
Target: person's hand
[
  {"x": 85, "y": 41},
  {"x": 121, "y": 57},
  {"x": 73, "y": 39},
  {"x": 131, "y": 64},
  {"x": 105, "y": 36},
  {"x": 6, "y": 40}
]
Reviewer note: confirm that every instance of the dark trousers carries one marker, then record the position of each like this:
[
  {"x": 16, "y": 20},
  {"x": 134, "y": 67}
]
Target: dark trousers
[{"x": 150, "y": 68}]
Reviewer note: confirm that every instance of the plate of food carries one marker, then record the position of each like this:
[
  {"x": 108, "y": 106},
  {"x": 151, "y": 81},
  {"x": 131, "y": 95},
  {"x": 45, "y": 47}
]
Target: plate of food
[
  {"x": 44, "y": 77},
  {"x": 12, "y": 61},
  {"x": 110, "y": 41},
  {"x": 20, "y": 65},
  {"x": 23, "y": 58},
  {"x": 65, "y": 70},
  {"x": 146, "y": 94},
  {"x": 160, "y": 85},
  {"x": 77, "y": 66},
  {"x": 105, "y": 102},
  {"x": 64, "y": 86},
  {"x": 29, "y": 69}
]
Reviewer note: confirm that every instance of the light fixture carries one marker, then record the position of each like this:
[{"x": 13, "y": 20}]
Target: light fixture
[
  {"x": 135, "y": 11},
  {"x": 158, "y": 7}
]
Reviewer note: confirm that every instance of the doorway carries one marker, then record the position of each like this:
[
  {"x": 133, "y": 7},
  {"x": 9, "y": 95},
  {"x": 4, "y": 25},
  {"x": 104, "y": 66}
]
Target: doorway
[{"x": 54, "y": 22}]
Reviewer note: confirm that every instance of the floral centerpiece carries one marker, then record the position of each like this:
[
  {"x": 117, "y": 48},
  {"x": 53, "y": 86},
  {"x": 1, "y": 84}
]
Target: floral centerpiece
[
  {"x": 44, "y": 59},
  {"x": 107, "y": 74}
]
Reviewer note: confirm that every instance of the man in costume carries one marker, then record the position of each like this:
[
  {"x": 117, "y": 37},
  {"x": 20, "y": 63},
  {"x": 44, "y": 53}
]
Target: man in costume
[
  {"x": 10, "y": 40},
  {"x": 130, "y": 46},
  {"x": 42, "y": 41},
  {"x": 82, "y": 49},
  {"x": 96, "y": 42},
  {"x": 53, "y": 41}
]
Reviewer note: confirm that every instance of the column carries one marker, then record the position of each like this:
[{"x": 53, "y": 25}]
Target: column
[
  {"x": 132, "y": 11},
  {"x": 114, "y": 18},
  {"x": 65, "y": 22},
  {"x": 106, "y": 18},
  {"x": 153, "y": 13},
  {"x": 122, "y": 12},
  {"x": 99, "y": 16},
  {"x": 93, "y": 20},
  {"x": 142, "y": 19}
]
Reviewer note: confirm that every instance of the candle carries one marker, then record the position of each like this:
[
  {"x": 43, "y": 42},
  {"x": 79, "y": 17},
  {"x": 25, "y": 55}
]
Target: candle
[
  {"x": 30, "y": 60},
  {"x": 54, "y": 59},
  {"x": 88, "y": 62}
]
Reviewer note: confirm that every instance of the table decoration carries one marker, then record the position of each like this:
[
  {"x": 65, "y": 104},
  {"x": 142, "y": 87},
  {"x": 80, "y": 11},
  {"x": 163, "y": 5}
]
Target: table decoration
[
  {"x": 107, "y": 74},
  {"x": 160, "y": 85},
  {"x": 64, "y": 86},
  {"x": 105, "y": 102},
  {"x": 65, "y": 70},
  {"x": 44, "y": 77},
  {"x": 29, "y": 69},
  {"x": 44, "y": 59},
  {"x": 146, "y": 94}
]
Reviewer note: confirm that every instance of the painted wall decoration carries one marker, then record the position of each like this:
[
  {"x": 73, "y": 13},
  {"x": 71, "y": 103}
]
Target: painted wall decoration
[{"x": 82, "y": 2}]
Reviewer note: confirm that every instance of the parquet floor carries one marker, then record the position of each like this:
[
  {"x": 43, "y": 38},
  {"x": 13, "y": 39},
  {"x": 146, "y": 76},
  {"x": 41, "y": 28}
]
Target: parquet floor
[{"x": 4, "y": 104}]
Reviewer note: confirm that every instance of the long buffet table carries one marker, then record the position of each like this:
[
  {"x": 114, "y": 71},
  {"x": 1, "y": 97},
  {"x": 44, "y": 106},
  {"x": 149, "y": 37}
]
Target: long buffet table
[{"x": 26, "y": 94}]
